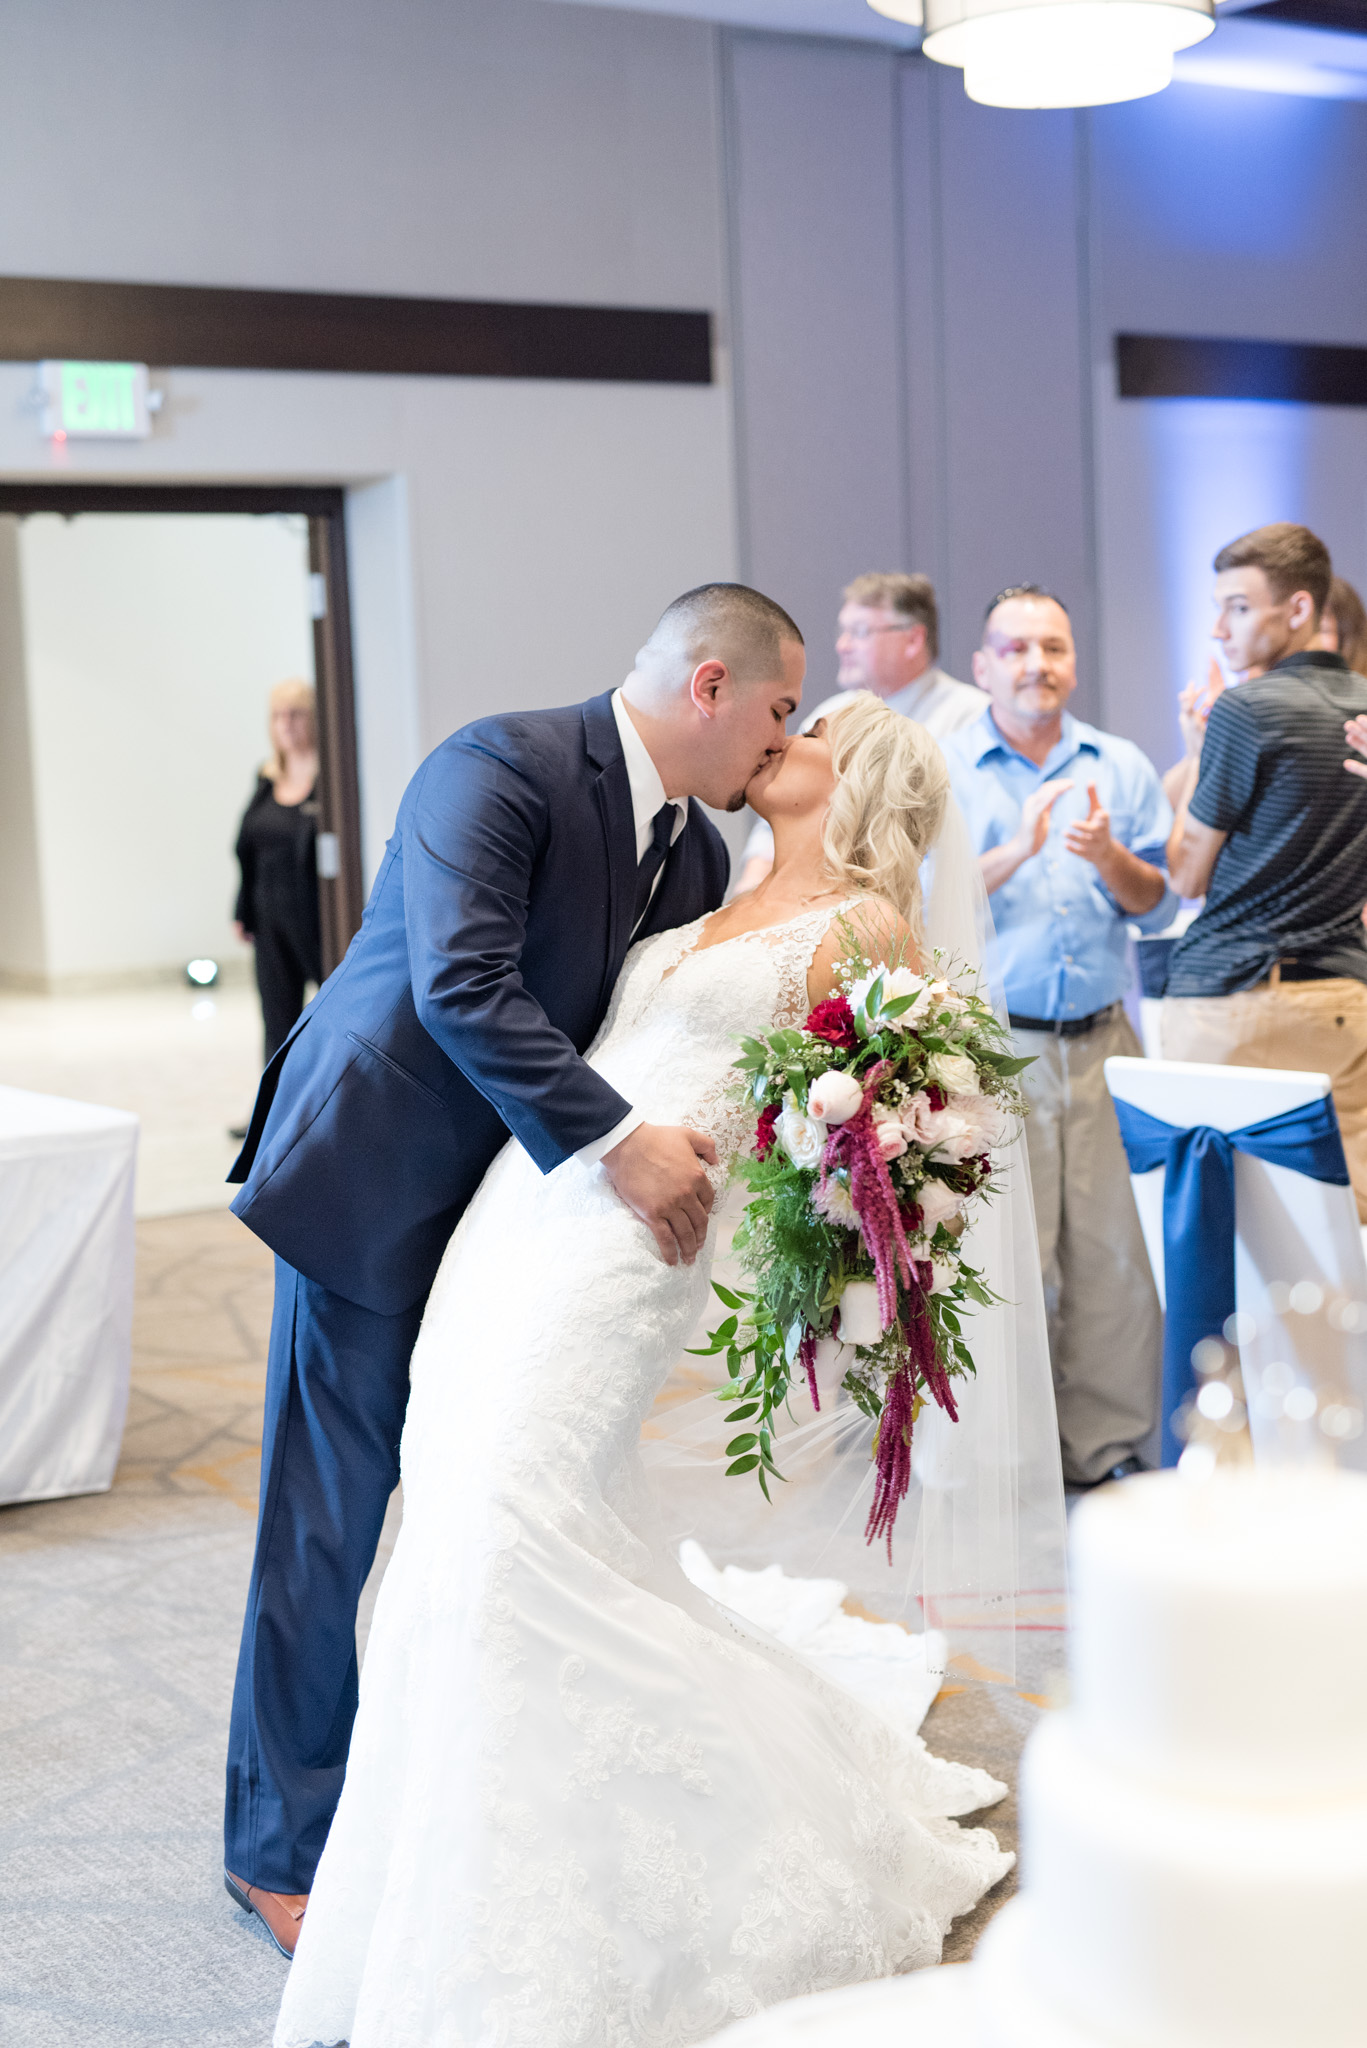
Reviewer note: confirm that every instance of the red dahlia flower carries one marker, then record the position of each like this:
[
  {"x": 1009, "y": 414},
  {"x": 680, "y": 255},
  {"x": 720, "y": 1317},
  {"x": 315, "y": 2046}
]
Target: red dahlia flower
[
  {"x": 833, "y": 1020},
  {"x": 764, "y": 1131}
]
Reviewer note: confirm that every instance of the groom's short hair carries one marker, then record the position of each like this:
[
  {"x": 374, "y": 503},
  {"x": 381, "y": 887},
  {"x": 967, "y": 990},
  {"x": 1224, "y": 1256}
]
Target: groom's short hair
[{"x": 727, "y": 622}]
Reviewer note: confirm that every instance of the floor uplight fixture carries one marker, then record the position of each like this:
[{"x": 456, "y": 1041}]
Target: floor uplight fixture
[{"x": 1057, "y": 53}]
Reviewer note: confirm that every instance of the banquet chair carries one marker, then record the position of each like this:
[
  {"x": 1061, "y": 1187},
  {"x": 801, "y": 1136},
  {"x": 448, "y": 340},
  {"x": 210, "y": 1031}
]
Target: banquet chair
[{"x": 1290, "y": 1230}]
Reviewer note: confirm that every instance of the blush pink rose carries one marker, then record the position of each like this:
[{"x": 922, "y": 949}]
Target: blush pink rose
[
  {"x": 947, "y": 1131},
  {"x": 935, "y": 1202},
  {"x": 891, "y": 1138}
]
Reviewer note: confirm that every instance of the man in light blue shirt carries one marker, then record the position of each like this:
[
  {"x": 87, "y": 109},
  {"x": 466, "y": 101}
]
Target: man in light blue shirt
[{"x": 1070, "y": 826}]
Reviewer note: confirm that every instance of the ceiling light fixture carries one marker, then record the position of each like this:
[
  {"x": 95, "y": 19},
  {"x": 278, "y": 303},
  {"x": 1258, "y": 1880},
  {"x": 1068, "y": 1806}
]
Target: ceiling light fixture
[{"x": 1057, "y": 53}]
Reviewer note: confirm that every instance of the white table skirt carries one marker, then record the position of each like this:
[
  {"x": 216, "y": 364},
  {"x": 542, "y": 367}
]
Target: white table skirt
[{"x": 66, "y": 1292}]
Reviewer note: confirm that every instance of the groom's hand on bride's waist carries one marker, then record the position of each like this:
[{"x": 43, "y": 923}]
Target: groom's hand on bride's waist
[{"x": 659, "y": 1171}]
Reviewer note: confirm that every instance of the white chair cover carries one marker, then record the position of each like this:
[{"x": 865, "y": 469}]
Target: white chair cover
[
  {"x": 66, "y": 1292},
  {"x": 1290, "y": 1229}
]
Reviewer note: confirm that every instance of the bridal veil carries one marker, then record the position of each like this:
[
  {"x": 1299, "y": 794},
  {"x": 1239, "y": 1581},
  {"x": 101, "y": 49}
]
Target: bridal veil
[{"x": 977, "y": 1561}]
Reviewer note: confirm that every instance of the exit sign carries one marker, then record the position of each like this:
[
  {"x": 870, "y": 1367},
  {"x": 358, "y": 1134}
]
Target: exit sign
[{"x": 95, "y": 401}]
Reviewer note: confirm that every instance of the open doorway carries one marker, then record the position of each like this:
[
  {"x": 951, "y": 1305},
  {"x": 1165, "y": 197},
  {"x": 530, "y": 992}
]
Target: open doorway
[{"x": 141, "y": 635}]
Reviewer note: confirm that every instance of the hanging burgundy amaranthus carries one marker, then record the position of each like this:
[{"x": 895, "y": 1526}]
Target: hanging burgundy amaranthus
[
  {"x": 875, "y": 1124},
  {"x": 854, "y": 1145}
]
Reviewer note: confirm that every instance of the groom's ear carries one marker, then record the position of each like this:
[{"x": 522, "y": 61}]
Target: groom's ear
[{"x": 709, "y": 683}]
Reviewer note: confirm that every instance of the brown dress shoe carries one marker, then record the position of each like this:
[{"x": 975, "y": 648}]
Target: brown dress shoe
[{"x": 280, "y": 1913}]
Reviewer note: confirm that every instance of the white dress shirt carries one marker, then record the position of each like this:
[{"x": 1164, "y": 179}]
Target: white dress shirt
[
  {"x": 647, "y": 795},
  {"x": 934, "y": 700}
]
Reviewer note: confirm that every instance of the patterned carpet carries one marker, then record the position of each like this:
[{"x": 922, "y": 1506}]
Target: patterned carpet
[{"x": 119, "y": 1616}]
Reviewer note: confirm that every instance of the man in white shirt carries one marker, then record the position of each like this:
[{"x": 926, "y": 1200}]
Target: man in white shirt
[{"x": 887, "y": 641}]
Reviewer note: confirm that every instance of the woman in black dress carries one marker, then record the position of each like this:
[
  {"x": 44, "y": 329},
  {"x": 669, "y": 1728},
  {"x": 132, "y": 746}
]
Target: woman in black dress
[{"x": 277, "y": 904}]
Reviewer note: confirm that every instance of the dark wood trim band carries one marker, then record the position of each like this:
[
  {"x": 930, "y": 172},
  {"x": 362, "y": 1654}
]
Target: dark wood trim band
[
  {"x": 213, "y": 327},
  {"x": 1183, "y": 366},
  {"x": 1349, "y": 17},
  {"x": 341, "y": 897},
  {"x": 316, "y": 501}
]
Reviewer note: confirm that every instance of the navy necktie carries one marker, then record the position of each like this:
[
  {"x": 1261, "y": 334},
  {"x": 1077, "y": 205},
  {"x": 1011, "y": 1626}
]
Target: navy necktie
[{"x": 653, "y": 859}]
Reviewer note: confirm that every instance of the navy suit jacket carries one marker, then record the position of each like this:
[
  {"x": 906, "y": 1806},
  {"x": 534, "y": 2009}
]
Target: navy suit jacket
[{"x": 489, "y": 948}]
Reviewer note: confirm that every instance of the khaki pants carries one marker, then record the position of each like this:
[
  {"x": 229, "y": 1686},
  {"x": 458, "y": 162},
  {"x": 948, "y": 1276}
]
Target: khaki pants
[
  {"x": 1317, "y": 1027},
  {"x": 1105, "y": 1325}
]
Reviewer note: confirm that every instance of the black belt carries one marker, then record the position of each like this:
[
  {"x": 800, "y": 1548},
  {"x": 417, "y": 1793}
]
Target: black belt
[
  {"x": 1301, "y": 970},
  {"x": 1064, "y": 1027}
]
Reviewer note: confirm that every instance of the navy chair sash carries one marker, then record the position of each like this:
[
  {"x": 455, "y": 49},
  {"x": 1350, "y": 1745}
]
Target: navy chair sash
[{"x": 1198, "y": 1217}]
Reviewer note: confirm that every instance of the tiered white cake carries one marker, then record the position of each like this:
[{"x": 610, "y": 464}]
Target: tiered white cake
[{"x": 1195, "y": 1823}]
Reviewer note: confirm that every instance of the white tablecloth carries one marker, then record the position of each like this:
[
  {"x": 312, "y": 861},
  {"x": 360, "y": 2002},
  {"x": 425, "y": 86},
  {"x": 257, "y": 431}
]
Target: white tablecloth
[{"x": 66, "y": 1292}]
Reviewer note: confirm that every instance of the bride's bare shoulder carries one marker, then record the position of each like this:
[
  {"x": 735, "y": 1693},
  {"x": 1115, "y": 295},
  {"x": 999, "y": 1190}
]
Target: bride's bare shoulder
[{"x": 871, "y": 929}]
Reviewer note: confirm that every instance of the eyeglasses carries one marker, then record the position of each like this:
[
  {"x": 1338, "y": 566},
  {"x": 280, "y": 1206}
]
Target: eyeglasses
[{"x": 867, "y": 632}]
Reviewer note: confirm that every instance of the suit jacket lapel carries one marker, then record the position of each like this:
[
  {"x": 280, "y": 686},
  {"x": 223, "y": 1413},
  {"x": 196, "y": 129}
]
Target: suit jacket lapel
[{"x": 613, "y": 792}]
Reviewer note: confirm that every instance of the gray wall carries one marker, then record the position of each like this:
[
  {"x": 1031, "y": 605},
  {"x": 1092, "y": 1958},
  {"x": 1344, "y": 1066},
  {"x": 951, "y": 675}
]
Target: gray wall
[
  {"x": 1217, "y": 213},
  {"x": 927, "y": 377},
  {"x": 915, "y": 299},
  {"x": 511, "y": 543}
]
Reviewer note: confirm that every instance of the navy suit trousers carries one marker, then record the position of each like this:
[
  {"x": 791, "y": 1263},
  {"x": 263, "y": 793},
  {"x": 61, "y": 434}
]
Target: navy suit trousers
[{"x": 336, "y": 1391}]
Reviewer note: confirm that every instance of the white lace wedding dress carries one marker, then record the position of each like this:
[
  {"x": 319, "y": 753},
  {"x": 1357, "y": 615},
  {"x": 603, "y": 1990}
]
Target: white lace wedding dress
[{"x": 583, "y": 1804}]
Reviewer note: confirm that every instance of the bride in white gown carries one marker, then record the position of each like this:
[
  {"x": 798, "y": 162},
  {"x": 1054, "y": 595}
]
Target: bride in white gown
[{"x": 583, "y": 1804}]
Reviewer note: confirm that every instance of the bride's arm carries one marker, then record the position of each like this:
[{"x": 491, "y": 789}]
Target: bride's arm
[{"x": 875, "y": 930}]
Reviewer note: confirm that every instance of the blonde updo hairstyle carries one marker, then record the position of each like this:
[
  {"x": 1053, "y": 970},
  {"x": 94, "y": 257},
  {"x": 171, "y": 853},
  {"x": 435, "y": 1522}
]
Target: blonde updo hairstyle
[
  {"x": 294, "y": 694},
  {"x": 891, "y": 790}
]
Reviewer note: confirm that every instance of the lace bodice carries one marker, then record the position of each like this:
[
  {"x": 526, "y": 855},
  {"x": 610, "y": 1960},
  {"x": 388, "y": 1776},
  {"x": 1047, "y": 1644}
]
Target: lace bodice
[
  {"x": 670, "y": 1038},
  {"x": 582, "y": 1808}
]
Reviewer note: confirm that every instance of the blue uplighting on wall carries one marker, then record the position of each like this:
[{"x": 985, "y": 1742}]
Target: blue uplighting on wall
[
  {"x": 1219, "y": 468},
  {"x": 1233, "y": 174}
]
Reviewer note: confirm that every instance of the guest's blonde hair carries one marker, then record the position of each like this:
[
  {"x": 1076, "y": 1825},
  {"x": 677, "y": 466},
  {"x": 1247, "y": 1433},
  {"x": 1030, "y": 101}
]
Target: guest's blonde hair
[
  {"x": 294, "y": 694},
  {"x": 891, "y": 790}
]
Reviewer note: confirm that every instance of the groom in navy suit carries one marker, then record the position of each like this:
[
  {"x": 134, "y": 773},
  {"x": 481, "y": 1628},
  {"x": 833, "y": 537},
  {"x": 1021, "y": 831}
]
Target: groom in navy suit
[{"x": 530, "y": 850}]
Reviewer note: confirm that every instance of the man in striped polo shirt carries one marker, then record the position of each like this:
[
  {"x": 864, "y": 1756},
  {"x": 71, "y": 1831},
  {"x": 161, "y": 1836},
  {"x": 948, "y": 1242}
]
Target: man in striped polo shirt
[{"x": 1273, "y": 973}]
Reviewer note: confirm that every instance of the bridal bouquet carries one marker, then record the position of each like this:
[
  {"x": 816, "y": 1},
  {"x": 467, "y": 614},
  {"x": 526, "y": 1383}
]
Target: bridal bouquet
[{"x": 877, "y": 1122}]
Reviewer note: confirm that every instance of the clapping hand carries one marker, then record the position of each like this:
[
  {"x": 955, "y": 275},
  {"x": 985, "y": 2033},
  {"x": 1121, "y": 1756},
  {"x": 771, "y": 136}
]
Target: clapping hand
[
  {"x": 1033, "y": 829},
  {"x": 1355, "y": 732},
  {"x": 1090, "y": 838},
  {"x": 1193, "y": 708}
]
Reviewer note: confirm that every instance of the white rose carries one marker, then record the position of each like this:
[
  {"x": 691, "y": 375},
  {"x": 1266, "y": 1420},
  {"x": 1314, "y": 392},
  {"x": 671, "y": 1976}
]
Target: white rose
[
  {"x": 942, "y": 1276},
  {"x": 803, "y": 1138},
  {"x": 954, "y": 1072},
  {"x": 935, "y": 1202},
  {"x": 834, "y": 1097}
]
